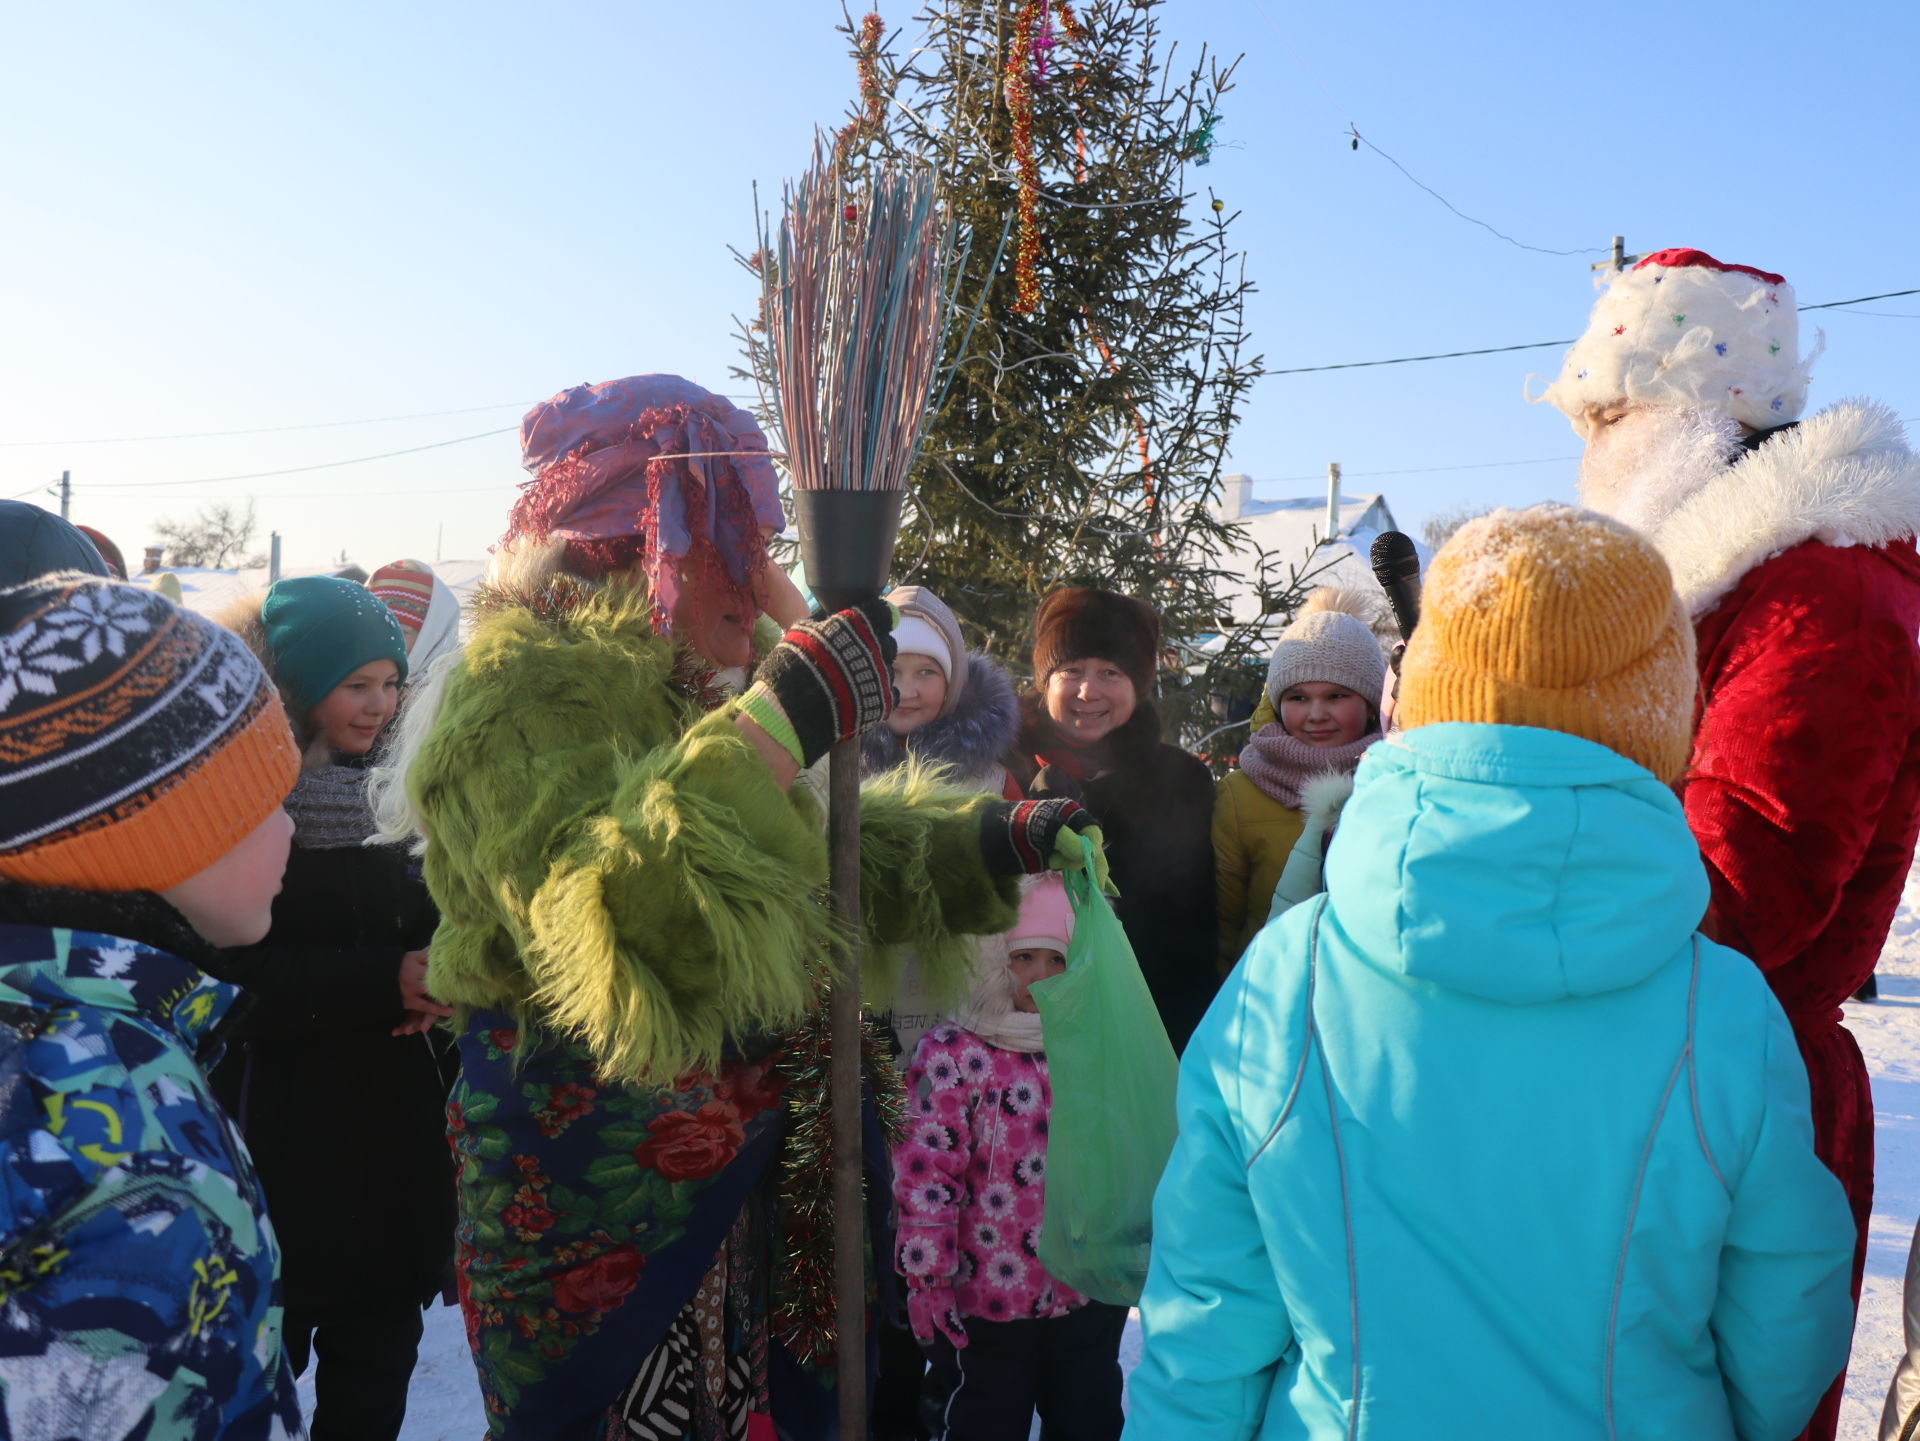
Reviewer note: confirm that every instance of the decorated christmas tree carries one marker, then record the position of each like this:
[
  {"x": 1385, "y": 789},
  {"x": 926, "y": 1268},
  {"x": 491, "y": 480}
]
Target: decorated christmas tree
[{"x": 1100, "y": 354}]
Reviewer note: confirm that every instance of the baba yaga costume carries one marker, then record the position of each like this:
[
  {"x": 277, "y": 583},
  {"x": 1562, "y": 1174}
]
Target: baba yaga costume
[
  {"x": 1487, "y": 1141},
  {"x": 1794, "y": 553},
  {"x": 634, "y": 933},
  {"x": 139, "y": 1276}
]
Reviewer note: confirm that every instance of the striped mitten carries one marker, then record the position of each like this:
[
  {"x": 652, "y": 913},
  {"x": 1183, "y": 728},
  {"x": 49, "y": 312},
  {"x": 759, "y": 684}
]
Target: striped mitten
[{"x": 829, "y": 680}]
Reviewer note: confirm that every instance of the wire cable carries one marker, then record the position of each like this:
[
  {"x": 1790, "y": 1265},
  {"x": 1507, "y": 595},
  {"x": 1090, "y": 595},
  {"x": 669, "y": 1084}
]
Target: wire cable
[
  {"x": 1544, "y": 344},
  {"x": 299, "y": 469}
]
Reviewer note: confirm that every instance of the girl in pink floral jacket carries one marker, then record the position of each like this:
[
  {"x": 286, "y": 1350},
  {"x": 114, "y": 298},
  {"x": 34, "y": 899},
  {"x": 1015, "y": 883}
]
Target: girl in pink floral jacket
[{"x": 1004, "y": 1337}]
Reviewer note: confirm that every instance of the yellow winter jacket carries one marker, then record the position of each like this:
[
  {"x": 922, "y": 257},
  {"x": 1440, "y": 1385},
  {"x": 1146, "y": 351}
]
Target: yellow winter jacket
[{"x": 1253, "y": 834}]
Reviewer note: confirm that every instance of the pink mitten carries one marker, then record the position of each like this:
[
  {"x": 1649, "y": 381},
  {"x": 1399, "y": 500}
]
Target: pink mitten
[{"x": 931, "y": 1309}]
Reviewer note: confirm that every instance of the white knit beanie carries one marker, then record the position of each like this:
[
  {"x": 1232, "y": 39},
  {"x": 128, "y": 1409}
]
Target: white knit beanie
[
  {"x": 1329, "y": 646},
  {"x": 1681, "y": 328}
]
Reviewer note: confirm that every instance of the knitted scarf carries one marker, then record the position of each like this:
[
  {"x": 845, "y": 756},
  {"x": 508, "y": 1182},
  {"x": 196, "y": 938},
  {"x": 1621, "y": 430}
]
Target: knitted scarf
[
  {"x": 329, "y": 808},
  {"x": 989, "y": 1012},
  {"x": 1281, "y": 764}
]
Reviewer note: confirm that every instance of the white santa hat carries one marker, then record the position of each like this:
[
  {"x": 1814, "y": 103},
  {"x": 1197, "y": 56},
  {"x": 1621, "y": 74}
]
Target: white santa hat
[{"x": 1681, "y": 328}]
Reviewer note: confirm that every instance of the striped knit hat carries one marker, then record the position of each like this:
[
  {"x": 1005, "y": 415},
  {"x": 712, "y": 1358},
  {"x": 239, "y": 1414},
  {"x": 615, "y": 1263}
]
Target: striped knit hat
[{"x": 139, "y": 743}]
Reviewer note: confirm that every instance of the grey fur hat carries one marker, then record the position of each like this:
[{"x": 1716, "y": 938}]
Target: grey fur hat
[{"x": 1328, "y": 642}]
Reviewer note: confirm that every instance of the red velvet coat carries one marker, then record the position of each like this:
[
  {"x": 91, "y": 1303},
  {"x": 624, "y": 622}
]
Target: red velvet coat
[{"x": 1804, "y": 786}]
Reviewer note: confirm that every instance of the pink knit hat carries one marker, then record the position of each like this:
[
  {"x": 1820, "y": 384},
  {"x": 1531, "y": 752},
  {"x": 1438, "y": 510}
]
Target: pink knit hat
[{"x": 1046, "y": 917}]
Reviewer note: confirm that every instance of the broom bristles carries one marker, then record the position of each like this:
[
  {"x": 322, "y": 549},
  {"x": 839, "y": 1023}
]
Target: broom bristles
[{"x": 857, "y": 306}]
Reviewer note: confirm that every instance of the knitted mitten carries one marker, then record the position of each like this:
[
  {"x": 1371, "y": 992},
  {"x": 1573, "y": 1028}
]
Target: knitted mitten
[
  {"x": 830, "y": 679},
  {"x": 1023, "y": 838}
]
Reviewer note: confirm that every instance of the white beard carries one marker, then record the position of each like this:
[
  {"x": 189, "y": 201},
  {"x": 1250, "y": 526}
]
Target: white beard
[{"x": 1654, "y": 461}]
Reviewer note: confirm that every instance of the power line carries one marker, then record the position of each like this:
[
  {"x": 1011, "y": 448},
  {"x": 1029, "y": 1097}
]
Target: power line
[
  {"x": 301, "y": 469},
  {"x": 310, "y": 425},
  {"x": 1359, "y": 139},
  {"x": 1545, "y": 344},
  {"x": 1353, "y": 130},
  {"x": 265, "y": 429}
]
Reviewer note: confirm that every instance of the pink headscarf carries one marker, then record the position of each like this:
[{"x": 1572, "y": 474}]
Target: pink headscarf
[{"x": 657, "y": 458}]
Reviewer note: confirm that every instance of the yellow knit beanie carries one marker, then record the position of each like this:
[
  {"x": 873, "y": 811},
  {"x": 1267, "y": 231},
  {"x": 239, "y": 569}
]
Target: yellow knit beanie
[{"x": 1560, "y": 619}]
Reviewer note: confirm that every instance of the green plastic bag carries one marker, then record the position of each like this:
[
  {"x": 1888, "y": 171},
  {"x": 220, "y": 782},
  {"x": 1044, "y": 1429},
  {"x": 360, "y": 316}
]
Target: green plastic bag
[{"x": 1113, "y": 1073}]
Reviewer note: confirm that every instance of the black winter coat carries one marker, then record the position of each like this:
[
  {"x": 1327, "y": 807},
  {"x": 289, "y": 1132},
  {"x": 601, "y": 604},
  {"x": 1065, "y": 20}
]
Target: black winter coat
[
  {"x": 1155, "y": 806},
  {"x": 346, "y": 1122}
]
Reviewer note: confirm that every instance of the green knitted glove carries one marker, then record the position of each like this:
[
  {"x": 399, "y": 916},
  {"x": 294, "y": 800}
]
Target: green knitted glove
[
  {"x": 829, "y": 680},
  {"x": 1068, "y": 854},
  {"x": 1024, "y": 838}
]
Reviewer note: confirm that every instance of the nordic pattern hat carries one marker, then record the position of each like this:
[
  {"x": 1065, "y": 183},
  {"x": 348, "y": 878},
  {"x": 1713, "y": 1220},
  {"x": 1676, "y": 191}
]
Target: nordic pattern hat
[
  {"x": 139, "y": 743},
  {"x": 1076, "y": 623},
  {"x": 1559, "y": 619},
  {"x": 320, "y": 629},
  {"x": 1328, "y": 645},
  {"x": 1682, "y": 328}
]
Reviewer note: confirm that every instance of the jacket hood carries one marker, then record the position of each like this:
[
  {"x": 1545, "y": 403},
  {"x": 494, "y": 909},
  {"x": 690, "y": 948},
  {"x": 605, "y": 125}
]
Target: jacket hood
[
  {"x": 1842, "y": 477},
  {"x": 978, "y": 731},
  {"x": 120, "y": 951},
  {"x": 1515, "y": 864}
]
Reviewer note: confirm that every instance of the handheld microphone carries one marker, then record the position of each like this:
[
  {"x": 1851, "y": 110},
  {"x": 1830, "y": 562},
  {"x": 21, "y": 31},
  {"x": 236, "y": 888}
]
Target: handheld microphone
[{"x": 1396, "y": 565}]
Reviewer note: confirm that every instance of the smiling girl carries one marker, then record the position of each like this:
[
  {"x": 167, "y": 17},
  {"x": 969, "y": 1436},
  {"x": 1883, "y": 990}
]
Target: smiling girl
[
  {"x": 1324, "y": 684},
  {"x": 340, "y": 1093}
]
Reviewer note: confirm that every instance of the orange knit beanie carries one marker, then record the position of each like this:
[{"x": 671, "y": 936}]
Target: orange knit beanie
[
  {"x": 139, "y": 743},
  {"x": 1560, "y": 619}
]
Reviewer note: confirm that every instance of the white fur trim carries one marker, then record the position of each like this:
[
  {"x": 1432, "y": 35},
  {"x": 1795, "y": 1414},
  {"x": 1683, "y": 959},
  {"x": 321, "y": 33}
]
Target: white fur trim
[
  {"x": 1718, "y": 340},
  {"x": 1842, "y": 477},
  {"x": 1324, "y": 796}
]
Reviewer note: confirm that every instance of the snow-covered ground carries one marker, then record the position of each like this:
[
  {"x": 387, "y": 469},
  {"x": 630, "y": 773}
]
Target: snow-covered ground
[{"x": 445, "y": 1402}]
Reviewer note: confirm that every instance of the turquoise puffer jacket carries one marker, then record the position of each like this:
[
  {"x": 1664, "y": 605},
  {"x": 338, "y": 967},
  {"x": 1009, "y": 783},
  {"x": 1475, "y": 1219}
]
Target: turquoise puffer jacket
[{"x": 1487, "y": 1143}]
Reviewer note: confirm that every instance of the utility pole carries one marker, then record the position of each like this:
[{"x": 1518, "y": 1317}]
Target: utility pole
[
  {"x": 273, "y": 558},
  {"x": 1333, "y": 500},
  {"x": 66, "y": 493},
  {"x": 1619, "y": 260}
]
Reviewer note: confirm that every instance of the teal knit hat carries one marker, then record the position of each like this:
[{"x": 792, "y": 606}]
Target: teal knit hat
[{"x": 321, "y": 629}]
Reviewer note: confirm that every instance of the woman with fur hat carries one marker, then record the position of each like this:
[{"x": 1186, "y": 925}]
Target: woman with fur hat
[
  {"x": 1090, "y": 731},
  {"x": 1488, "y": 1140},
  {"x": 1324, "y": 685},
  {"x": 634, "y": 934},
  {"x": 332, "y": 1076},
  {"x": 143, "y": 759}
]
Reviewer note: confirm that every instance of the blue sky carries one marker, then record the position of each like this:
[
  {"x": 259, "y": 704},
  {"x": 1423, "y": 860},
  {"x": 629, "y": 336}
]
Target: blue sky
[{"x": 234, "y": 216}]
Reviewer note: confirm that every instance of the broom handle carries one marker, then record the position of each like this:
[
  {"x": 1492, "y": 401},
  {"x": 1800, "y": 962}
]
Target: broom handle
[{"x": 843, "y": 1089}]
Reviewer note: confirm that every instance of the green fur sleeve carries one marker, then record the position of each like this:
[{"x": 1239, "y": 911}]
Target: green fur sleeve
[
  {"x": 635, "y": 882},
  {"x": 923, "y": 883}
]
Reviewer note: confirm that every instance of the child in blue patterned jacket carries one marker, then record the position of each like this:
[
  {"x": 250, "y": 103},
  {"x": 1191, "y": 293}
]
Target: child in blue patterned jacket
[{"x": 143, "y": 760}]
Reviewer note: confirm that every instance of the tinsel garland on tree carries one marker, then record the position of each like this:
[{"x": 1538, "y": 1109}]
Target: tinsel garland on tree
[{"x": 802, "y": 1282}]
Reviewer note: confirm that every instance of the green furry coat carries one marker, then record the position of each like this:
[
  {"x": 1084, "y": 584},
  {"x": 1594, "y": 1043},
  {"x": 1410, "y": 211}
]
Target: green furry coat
[{"x": 615, "y": 864}]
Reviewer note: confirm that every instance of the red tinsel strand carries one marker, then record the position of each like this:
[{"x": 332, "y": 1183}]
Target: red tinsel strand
[
  {"x": 803, "y": 1316},
  {"x": 1070, "y": 25},
  {"x": 1019, "y": 92}
]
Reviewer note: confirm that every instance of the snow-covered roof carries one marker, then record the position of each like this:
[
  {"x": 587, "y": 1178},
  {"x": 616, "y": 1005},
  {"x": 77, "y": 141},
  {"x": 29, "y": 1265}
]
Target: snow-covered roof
[{"x": 211, "y": 591}]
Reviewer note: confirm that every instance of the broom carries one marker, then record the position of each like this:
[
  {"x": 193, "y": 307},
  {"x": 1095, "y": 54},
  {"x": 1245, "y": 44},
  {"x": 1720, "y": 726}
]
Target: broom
[{"x": 856, "y": 301}]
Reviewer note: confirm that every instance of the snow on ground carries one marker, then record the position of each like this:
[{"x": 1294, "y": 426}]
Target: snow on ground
[{"x": 445, "y": 1402}]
